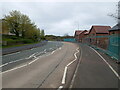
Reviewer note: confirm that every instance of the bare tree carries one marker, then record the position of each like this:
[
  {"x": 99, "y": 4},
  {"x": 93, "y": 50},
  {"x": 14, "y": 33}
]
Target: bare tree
[{"x": 116, "y": 15}]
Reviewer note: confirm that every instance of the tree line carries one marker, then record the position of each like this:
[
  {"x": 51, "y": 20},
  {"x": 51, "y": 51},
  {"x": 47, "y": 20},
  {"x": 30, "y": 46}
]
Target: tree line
[{"x": 21, "y": 26}]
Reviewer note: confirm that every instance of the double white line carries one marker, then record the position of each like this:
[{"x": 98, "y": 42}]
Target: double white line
[{"x": 66, "y": 68}]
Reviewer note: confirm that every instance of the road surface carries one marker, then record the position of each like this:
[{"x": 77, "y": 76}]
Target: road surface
[
  {"x": 11, "y": 60},
  {"x": 51, "y": 70},
  {"x": 95, "y": 70},
  {"x": 65, "y": 66}
]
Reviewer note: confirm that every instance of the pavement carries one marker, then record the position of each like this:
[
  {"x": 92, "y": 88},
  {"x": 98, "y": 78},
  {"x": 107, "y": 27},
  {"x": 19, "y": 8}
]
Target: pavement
[
  {"x": 95, "y": 70},
  {"x": 46, "y": 71}
]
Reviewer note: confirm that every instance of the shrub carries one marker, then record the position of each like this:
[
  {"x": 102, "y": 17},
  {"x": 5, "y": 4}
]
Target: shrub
[{"x": 25, "y": 41}]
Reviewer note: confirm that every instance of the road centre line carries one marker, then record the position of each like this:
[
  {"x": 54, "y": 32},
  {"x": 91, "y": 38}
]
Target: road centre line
[
  {"x": 107, "y": 63},
  {"x": 74, "y": 59},
  {"x": 73, "y": 79},
  {"x": 64, "y": 75},
  {"x": 66, "y": 67}
]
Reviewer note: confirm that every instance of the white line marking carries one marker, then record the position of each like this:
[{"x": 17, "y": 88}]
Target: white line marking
[
  {"x": 45, "y": 50},
  {"x": 14, "y": 69},
  {"x": 64, "y": 75},
  {"x": 32, "y": 55},
  {"x": 60, "y": 87},
  {"x": 23, "y": 65},
  {"x": 12, "y": 62},
  {"x": 75, "y": 58},
  {"x": 19, "y": 60},
  {"x": 73, "y": 79},
  {"x": 55, "y": 50},
  {"x": 32, "y": 49},
  {"x": 52, "y": 52},
  {"x": 107, "y": 64},
  {"x": 3, "y": 64},
  {"x": 60, "y": 48},
  {"x": 65, "y": 70},
  {"x": 11, "y": 54},
  {"x": 33, "y": 61}
]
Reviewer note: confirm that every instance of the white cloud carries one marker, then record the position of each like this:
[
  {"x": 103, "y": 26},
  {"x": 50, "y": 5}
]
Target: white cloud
[{"x": 63, "y": 17}]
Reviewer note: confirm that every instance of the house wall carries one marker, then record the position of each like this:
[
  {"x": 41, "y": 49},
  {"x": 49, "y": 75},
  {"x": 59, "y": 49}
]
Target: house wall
[
  {"x": 82, "y": 36},
  {"x": 114, "y": 32},
  {"x": 101, "y": 42}
]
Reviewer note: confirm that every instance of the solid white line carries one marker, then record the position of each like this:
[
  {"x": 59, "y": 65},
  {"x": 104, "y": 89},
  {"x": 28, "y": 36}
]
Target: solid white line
[
  {"x": 11, "y": 54},
  {"x": 32, "y": 49},
  {"x": 45, "y": 50},
  {"x": 107, "y": 64},
  {"x": 23, "y": 65},
  {"x": 19, "y": 60},
  {"x": 3, "y": 64},
  {"x": 14, "y": 69},
  {"x": 60, "y": 48},
  {"x": 73, "y": 79},
  {"x": 75, "y": 58},
  {"x": 60, "y": 87},
  {"x": 64, "y": 75},
  {"x": 11, "y": 62},
  {"x": 65, "y": 70},
  {"x": 52, "y": 52},
  {"x": 33, "y": 61}
]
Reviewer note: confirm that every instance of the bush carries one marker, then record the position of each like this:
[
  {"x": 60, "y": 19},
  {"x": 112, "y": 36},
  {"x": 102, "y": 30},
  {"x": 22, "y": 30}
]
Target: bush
[
  {"x": 25, "y": 41},
  {"x": 8, "y": 42}
]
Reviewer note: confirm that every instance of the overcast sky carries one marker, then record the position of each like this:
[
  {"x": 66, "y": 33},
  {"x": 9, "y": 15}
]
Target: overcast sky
[{"x": 59, "y": 18}]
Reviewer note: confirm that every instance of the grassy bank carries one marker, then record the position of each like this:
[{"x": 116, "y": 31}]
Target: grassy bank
[{"x": 13, "y": 41}]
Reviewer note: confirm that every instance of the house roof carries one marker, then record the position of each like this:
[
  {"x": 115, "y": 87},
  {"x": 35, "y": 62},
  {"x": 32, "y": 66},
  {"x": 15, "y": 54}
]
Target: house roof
[
  {"x": 86, "y": 33},
  {"x": 116, "y": 27},
  {"x": 77, "y": 32},
  {"x": 101, "y": 29}
]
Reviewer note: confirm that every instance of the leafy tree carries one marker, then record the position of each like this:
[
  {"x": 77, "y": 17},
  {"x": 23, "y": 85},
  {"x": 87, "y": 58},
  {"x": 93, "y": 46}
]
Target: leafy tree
[
  {"x": 21, "y": 25},
  {"x": 3, "y": 27},
  {"x": 13, "y": 22},
  {"x": 25, "y": 24}
]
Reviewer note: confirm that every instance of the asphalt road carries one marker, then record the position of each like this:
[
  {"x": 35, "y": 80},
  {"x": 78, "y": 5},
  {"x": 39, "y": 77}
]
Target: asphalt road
[
  {"x": 12, "y": 60},
  {"x": 53, "y": 69},
  {"x": 21, "y": 48},
  {"x": 94, "y": 72}
]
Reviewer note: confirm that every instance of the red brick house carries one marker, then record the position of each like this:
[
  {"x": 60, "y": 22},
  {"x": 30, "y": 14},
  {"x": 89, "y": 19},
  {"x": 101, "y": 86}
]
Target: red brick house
[
  {"x": 82, "y": 35},
  {"x": 99, "y": 31},
  {"x": 115, "y": 30},
  {"x": 76, "y": 35}
]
